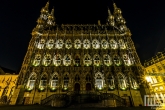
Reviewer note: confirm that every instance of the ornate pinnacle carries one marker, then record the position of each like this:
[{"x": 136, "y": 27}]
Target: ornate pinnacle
[
  {"x": 47, "y": 5},
  {"x": 109, "y": 12}
]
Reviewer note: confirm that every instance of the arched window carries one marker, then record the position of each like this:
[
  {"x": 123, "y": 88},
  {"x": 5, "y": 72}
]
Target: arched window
[
  {"x": 96, "y": 60},
  {"x": 37, "y": 60},
  {"x": 50, "y": 44},
  {"x": 113, "y": 44},
  {"x": 59, "y": 44},
  {"x": 99, "y": 80},
  {"x": 133, "y": 83},
  {"x": 111, "y": 82},
  {"x": 77, "y": 60},
  {"x": 68, "y": 44},
  {"x": 77, "y": 44},
  {"x": 43, "y": 82},
  {"x": 31, "y": 81},
  {"x": 122, "y": 81},
  {"x": 54, "y": 81},
  {"x": 107, "y": 60},
  {"x": 41, "y": 44},
  {"x": 87, "y": 60},
  {"x": 86, "y": 44},
  {"x": 67, "y": 60},
  {"x": 104, "y": 44},
  {"x": 117, "y": 60},
  {"x": 122, "y": 44},
  {"x": 57, "y": 60},
  {"x": 66, "y": 82},
  {"x": 47, "y": 60},
  {"x": 95, "y": 44},
  {"x": 126, "y": 59}
]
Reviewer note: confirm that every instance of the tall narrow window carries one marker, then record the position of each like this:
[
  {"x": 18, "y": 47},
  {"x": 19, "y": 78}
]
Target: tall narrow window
[
  {"x": 67, "y": 60},
  {"x": 111, "y": 82},
  {"x": 66, "y": 82},
  {"x": 122, "y": 82},
  {"x": 77, "y": 60},
  {"x": 77, "y": 44},
  {"x": 50, "y": 44},
  {"x": 87, "y": 60},
  {"x": 96, "y": 60},
  {"x": 113, "y": 44},
  {"x": 133, "y": 83},
  {"x": 68, "y": 44},
  {"x": 99, "y": 80},
  {"x": 54, "y": 81},
  {"x": 57, "y": 60},
  {"x": 95, "y": 44},
  {"x": 127, "y": 60},
  {"x": 37, "y": 60},
  {"x": 107, "y": 60},
  {"x": 117, "y": 60},
  {"x": 59, "y": 44},
  {"x": 86, "y": 44},
  {"x": 41, "y": 44},
  {"x": 47, "y": 60},
  {"x": 31, "y": 81},
  {"x": 43, "y": 82}
]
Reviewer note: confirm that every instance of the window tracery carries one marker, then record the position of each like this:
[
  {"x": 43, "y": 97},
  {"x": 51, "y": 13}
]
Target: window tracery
[
  {"x": 66, "y": 82},
  {"x": 117, "y": 60},
  {"x": 47, "y": 60},
  {"x": 86, "y": 44},
  {"x": 31, "y": 81},
  {"x": 67, "y": 60},
  {"x": 133, "y": 83},
  {"x": 43, "y": 82},
  {"x": 122, "y": 81},
  {"x": 54, "y": 81},
  {"x": 77, "y": 44},
  {"x": 68, "y": 44},
  {"x": 122, "y": 44},
  {"x": 97, "y": 60},
  {"x": 111, "y": 82},
  {"x": 57, "y": 60},
  {"x": 41, "y": 44},
  {"x": 95, "y": 44},
  {"x": 87, "y": 60},
  {"x": 77, "y": 60},
  {"x": 127, "y": 60},
  {"x": 50, "y": 44},
  {"x": 37, "y": 60},
  {"x": 99, "y": 80},
  {"x": 113, "y": 44},
  {"x": 59, "y": 44},
  {"x": 107, "y": 60},
  {"x": 104, "y": 44}
]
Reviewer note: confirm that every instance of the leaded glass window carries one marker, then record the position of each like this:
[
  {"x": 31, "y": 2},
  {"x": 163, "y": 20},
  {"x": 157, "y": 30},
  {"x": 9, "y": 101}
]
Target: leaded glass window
[
  {"x": 86, "y": 44},
  {"x": 57, "y": 60},
  {"x": 104, "y": 44},
  {"x": 77, "y": 44},
  {"x": 67, "y": 60},
  {"x": 87, "y": 60},
  {"x": 50, "y": 44},
  {"x": 59, "y": 44},
  {"x": 68, "y": 44},
  {"x": 95, "y": 44},
  {"x": 37, "y": 60},
  {"x": 31, "y": 81},
  {"x": 54, "y": 81},
  {"x": 43, "y": 82},
  {"x": 46, "y": 60}
]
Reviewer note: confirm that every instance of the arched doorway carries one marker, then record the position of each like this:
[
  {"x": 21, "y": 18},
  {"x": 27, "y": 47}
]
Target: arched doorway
[
  {"x": 88, "y": 86},
  {"x": 77, "y": 87}
]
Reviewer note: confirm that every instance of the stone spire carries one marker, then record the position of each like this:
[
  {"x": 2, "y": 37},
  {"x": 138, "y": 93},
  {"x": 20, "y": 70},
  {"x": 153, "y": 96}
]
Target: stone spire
[{"x": 110, "y": 19}]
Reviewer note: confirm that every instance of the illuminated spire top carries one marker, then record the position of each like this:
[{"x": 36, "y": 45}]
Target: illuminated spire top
[
  {"x": 46, "y": 8},
  {"x": 116, "y": 9},
  {"x": 110, "y": 19}
]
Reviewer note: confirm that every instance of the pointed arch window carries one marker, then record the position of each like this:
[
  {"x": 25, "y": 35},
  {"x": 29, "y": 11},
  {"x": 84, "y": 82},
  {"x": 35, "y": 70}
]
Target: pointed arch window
[
  {"x": 99, "y": 80},
  {"x": 57, "y": 60},
  {"x": 117, "y": 60},
  {"x": 122, "y": 44},
  {"x": 95, "y": 44},
  {"x": 50, "y": 44},
  {"x": 59, "y": 44},
  {"x": 47, "y": 60},
  {"x": 113, "y": 44},
  {"x": 107, "y": 60},
  {"x": 66, "y": 82},
  {"x": 41, "y": 44},
  {"x": 77, "y": 60},
  {"x": 97, "y": 60},
  {"x": 86, "y": 44},
  {"x": 77, "y": 44},
  {"x": 104, "y": 44},
  {"x": 67, "y": 60},
  {"x": 31, "y": 81},
  {"x": 87, "y": 60},
  {"x": 133, "y": 83},
  {"x": 54, "y": 81},
  {"x": 37, "y": 60},
  {"x": 127, "y": 60},
  {"x": 68, "y": 44},
  {"x": 111, "y": 82},
  {"x": 43, "y": 82},
  {"x": 122, "y": 81}
]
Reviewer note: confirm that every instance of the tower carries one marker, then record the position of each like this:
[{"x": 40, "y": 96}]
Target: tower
[{"x": 76, "y": 60}]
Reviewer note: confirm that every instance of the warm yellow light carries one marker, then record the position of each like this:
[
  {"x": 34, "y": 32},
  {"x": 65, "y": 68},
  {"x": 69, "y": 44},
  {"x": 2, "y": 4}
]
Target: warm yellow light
[{"x": 147, "y": 78}]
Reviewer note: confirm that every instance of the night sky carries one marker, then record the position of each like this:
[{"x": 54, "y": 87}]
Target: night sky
[{"x": 145, "y": 19}]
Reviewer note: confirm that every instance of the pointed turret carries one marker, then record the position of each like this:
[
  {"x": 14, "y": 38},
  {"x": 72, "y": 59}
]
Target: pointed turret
[
  {"x": 110, "y": 19},
  {"x": 119, "y": 20},
  {"x": 51, "y": 18}
]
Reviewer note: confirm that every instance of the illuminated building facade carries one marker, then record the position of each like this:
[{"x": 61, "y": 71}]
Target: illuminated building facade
[
  {"x": 155, "y": 74},
  {"x": 76, "y": 60}
]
